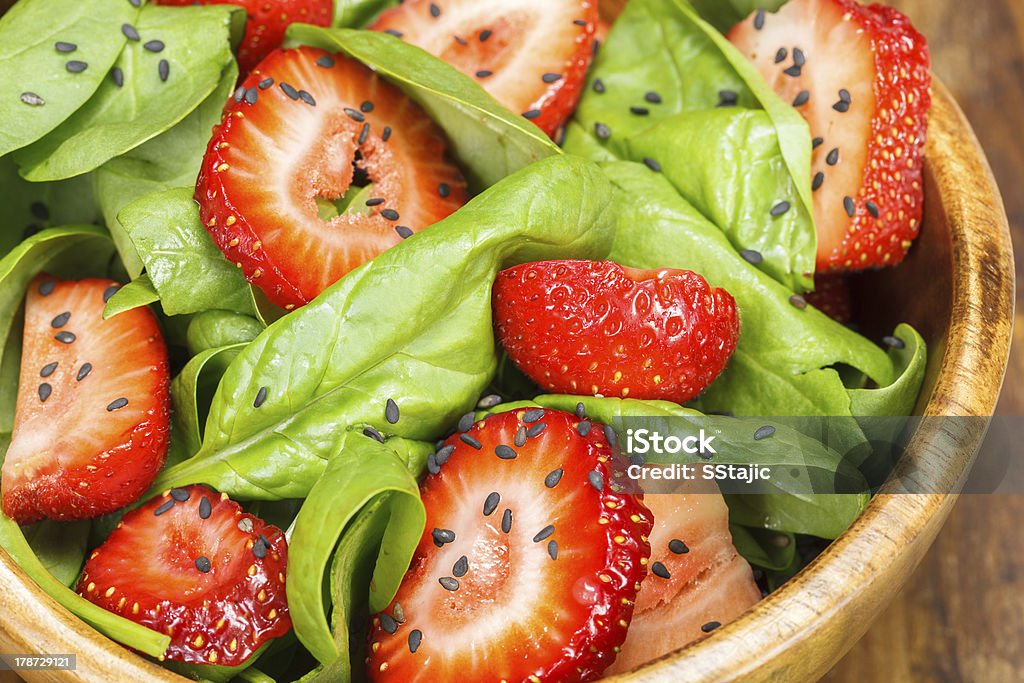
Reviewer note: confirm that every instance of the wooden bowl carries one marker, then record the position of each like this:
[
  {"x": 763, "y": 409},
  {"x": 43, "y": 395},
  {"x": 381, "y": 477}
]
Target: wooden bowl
[{"x": 958, "y": 285}]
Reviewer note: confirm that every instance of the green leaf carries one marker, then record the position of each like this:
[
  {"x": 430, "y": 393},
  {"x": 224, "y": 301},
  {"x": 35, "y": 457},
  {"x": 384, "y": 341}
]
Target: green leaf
[
  {"x": 724, "y": 14},
  {"x": 213, "y": 329},
  {"x": 899, "y": 397},
  {"x": 358, "y": 13},
  {"x": 425, "y": 304},
  {"x": 169, "y": 160},
  {"x": 30, "y": 63},
  {"x": 364, "y": 475},
  {"x": 186, "y": 268},
  {"x": 137, "y": 293},
  {"x": 118, "y": 119},
  {"x": 665, "y": 47},
  {"x": 763, "y": 548},
  {"x": 60, "y": 547},
  {"x": 193, "y": 389},
  {"x": 489, "y": 141}
]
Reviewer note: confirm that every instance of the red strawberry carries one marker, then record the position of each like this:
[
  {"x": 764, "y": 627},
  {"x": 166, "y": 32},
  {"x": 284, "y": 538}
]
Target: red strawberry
[
  {"x": 92, "y": 419},
  {"x": 266, "y": 23},
  {"x": 578, "y": 327},
  {"x": 531, "y": 560},
  {"x": 307, "y": 126},
  {"x": 192, "y": 565},
  {"x": 531, "y": 55},
  {"x": 863, "y": 76},
  {"x": 832, "y": 297}
]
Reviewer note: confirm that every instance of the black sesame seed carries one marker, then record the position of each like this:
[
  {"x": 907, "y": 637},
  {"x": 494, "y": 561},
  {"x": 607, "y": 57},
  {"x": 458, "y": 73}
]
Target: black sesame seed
[
  {"x": 710, "y": 626},
  {"x": 491, "y": 503},
  {"x": 583, "y": 428},
  {"x": 819, "y": 180},
  {"x": 375, "y": 201},
  {"x": 639, "y": 111},
  {"x": 65, "y": 337},
  {"x": 203, "y": 564},
  {"x": 872, "y": 209},
  {"x": 432, "y": 466},
  {"x": 469, "y": 440},
  {"x": 117, "y": 404},
  {"x": 532, "y": 415},
  {"x": 252, "y": 95},
  {"x": 596, "y": 480},
  {"x": 261, "y": 397},
  {"x": 817, "y": 142},
  {"x": 849, "y": 206},
  {"x": 466, "y": 421},
  {"x": 544, "y": 533},
  {"x": 581, "y": 410},
  {"x": 505, "y": 452},
  {"x": 403, "y": 231},
  {"x": 239, "y": 93},
  {"x": 894, "y": 342},
  {"x": 435, "y": 11},
  {"x": 83, "y": 371},
  {"x": 799, "y": 58},
  {"x": 678, "y": 547},
  {"x": 781, "y": 55},
  {"x": 602, "y": 131},
  {"x": 728, "y": 98},
  {"x": 506, "y": 521},
  {"x": 61, "y": 46},
  {"x": 798, "y": 301},
  {"x": 154, "y": 45},
  {"x": 532, "y": 114},
  {"x": 163, "y": 508},
  {"x": 652, "y": 164},
  {"x": 461, "y": 567},
  {"x": 415, "y": 638},
  {"x": 609, "y": 435},
  {"x": 764, "y": 432},
  {"x": 598, "y": 86},
  {"x": 394, "y": 32},
  {"x": 841, "y": 107},
  {"x": 180, "y": 495},
  {"x": 129, "y": 32},
  {"x": 759, "y": 19},
  {"x": 751, "y": 256},
  {"x": 444, "y": 189},
  {"x": 793, "y": 71},
  {"x": 833, "y": 157},
  {"x": 46, "y": 288},
  {"x": 660, "y": 570},
  {"x": 489, "y": 401},
  {"x": 391, "y": 412},
  {"x": 802, "y": 98},
  {"x": 553, "y": 549},
  {"x": 259, "y": 548},
  {"x": 485, "y": 34},
  {"x": 653, "y": 97},
  {"x": 291, "y": 92},
  {"x": 779, "y": 209},
  {"x": 366, "y": 107},
  {"x": 61, "y": 320},
  {"x": 390, "y": 214},
  {"x": 520, "y": 438},
  {"x": 32, "y": 99},
  {"x": 44, "y": 391},
  {"x": 580, "y": 22},
  {"x": 551, "y": 77},
  {"x": 484, "y": 73},
  {"x": 205, "y": 509},
  {"x": 76, "y": 67},
  {"x": 844, "y": 96},
  {"x": 388, "y": 623},
  {"x": 164, "y": 69},
  {"x": 48, "y": 369},
  {"x": 265, "y": 83},
  {"x": 449, "y": 583},
  {"x": 554, "y": 476},
  {"x": 444, "y": 453},
  {"x": 536, "y": 429},
  {"x": 325, "y": 61},
  {"x": 307, "y": 98}
]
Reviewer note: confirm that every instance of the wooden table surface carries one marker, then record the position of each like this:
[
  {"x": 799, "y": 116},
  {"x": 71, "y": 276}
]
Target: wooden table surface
[{"x": 962, "y": 616}]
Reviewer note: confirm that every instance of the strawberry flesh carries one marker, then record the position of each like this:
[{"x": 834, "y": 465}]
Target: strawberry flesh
[
  {"x": 532, "y": 56},
  {"x": 860, "y": 77},
  {"x": 530, "y": 561},
  {"x": 92, "y": 419},
  {"x": 192, "y": 565},
  {"x": 580, "y": 327},
  {"x": 304, "y": 127}
]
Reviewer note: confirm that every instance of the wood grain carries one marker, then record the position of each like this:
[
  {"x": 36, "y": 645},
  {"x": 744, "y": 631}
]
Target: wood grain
[{"x": 961, "y": 618}]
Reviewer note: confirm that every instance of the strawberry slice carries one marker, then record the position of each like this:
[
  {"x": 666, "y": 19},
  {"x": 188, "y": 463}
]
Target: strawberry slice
[
  {"x": 860, "y": 76},
  {"x": 530, "y": 562},
  {"x": 92, "y": 418},
  {"x": 192, "y": 565},
  {"x": 266, "y": 23},
  {"x": 307, "y": 129},
  {"x": 531, "y": 55},
  {"x": 597, "y": 327},
  {"x": 832, "y": 297}
]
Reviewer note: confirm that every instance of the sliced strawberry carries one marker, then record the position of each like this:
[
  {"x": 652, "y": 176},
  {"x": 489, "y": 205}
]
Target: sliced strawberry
[
  {"x": 192, "y": 565},
  {"x": 832, "y": 297},
  {"x": 697, "y": 581},
  {"x": 531, "y": 55},
  {"x": 532, "y": 557},
  {"x": 578, "y": 327},
  {"x": 860, "y": 76},
  {"x": 266, "y": 23},
  {"x": 306, "y": 129},
  {"x": 92, "y": 418}
]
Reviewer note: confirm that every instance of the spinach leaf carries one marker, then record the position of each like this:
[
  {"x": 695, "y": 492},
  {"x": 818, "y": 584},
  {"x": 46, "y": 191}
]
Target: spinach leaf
[
  {"x": 490, "y": 141},
  {"x": 29, "y": 62},
  {"x": 426, "y": 306},
  {"x": 358, "y": 13},
  {"x": 763, "y": 548},
  {"x": 783, "y": 362},
  {"x": 213, "y": 329},
  {"x": 664, "y": 47},
  {"x": 187, "y": 269},
  {"x": 139, "y": 292},
  {"x": 898, "y": 398},
  {"x": 60, "y": 547},
  {"x": 118, "y": 119},
  {"x": 169, "y": 160},
  {"x": 724, "y": 14},
  {"x": 361, "y": 473},
  {"x": 193, "y": 389}
]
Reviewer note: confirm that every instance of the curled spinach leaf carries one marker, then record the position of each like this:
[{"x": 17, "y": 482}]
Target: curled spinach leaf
[
  {"x": 193, "y": 389},
  {"x": 213, "y": 329},
  {"x": 139, "y": 292}
]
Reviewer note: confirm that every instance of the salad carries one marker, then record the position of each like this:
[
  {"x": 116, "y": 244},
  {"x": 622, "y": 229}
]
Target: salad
[{"x": 326, "y": 326}]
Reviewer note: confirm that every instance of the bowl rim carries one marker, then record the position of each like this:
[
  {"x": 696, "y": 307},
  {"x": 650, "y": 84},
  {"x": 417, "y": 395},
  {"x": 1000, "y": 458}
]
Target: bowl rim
[{"x": 766, "y": 641}]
